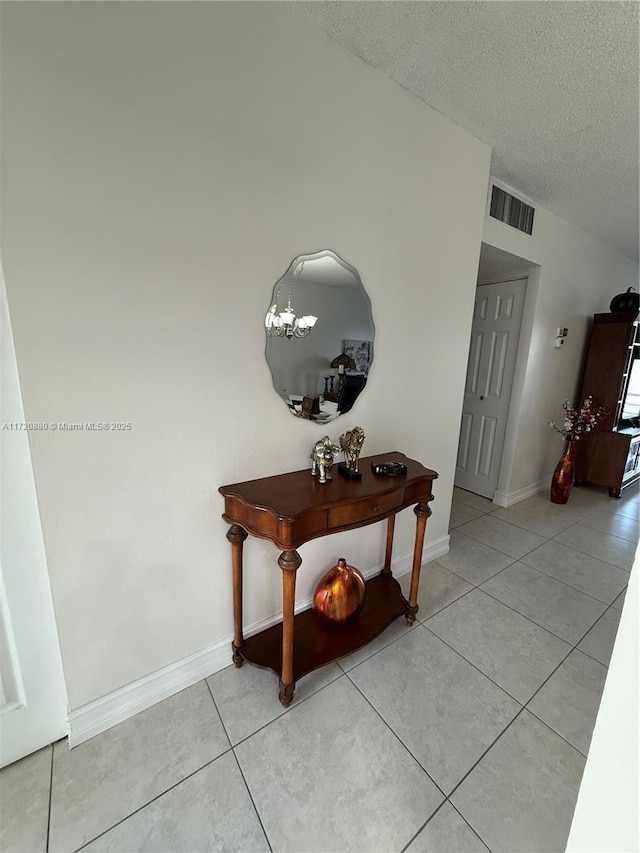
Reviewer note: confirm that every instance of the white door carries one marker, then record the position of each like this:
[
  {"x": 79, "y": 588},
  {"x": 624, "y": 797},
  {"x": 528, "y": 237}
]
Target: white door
[
  {"x": 492, "y": 360},
  {"x": 33, "y": 701}
]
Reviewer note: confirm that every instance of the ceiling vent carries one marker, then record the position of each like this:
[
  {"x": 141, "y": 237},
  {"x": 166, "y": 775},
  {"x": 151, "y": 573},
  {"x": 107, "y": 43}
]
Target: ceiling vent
[{"x": 511, "y": 210}]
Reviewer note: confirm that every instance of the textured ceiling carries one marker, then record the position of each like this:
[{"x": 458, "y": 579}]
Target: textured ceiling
[{"x": 552, "y": 86}]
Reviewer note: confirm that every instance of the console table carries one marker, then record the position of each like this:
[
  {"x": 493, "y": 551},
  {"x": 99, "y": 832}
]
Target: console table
[{"x": 290, "y": 509}]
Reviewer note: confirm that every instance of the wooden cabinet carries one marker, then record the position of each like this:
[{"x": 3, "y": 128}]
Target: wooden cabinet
[
  {"x": 290, "y": 509},
  {"x": 610, "y": 455}
]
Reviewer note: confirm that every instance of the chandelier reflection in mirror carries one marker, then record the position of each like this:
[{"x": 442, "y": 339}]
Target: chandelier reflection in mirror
[{"x": 285, "y": 324}]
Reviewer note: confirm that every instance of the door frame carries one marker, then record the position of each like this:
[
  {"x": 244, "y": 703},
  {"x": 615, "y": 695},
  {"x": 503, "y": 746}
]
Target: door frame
[
  {"x": 505, "y": 496},
  {"x": 503, "y": 423},
  {"x": 33, "y": 712}
]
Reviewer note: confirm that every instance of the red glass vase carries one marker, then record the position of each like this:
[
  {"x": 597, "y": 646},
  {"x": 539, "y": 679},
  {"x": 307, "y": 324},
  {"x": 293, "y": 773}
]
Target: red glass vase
[{"x": 563, "y": 476}]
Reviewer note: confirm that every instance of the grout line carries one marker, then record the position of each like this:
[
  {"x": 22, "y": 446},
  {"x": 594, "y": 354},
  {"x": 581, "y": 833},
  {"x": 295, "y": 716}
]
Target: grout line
[
  {"x": 472, "y": 768},
  {"x": 477, "y": 668},
  {"x": 298, "y": 702},
  {"x": 255, "y": 808},
  {"x": 522, "y": 708},
  {"x": 618, "y": 514},
  {"x": 152, "y": 800},
  {"x": 396, "y": 735},
  {"x": 557, "y": 733},
  {"x": 455, "y": 497},
  {"x": 542, "y": 536},
  {"x": 377, "y": 651},
  {"x": 224, "y": 728},
  {"x": 583, "y": 523},
  {"x": 162, "y": 793},
  {"x": 591, "y": 657},
  {"x": 491, "y": 547},
  {"x": 230, "y": 749},
  {"x": 566, "y": 583},
  {"x": 428, "y": 820},
  {"x": 550, "y": 676},
  {"x": 599, "y": 619},
  {"x": 500, "y": 571},
  {"x": 449, "y": 604},
  {"x": 466, "y": 580},
  {"x": 484, "y": 843},
  {"x": 564, "y": 639},
  {"x": 587, "y": 554},
  {"x": 529, "y": 530},
  {"x": 574, "y": 649},
  {"x": 50, "y": 800}
]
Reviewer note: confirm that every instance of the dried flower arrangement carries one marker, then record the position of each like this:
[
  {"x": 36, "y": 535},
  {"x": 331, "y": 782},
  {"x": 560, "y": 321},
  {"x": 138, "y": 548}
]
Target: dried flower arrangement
[{"x": 579, "y": 421}]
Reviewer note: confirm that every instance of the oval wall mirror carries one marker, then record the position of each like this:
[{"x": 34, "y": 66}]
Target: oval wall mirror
[{"x": 320, "y": 333}]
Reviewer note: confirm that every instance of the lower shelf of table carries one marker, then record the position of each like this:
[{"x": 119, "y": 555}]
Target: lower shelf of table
[{"x": 316, "y": 644}]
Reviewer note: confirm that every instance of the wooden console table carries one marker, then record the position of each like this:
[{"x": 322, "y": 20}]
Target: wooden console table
[{"x": 290, "y": 509}]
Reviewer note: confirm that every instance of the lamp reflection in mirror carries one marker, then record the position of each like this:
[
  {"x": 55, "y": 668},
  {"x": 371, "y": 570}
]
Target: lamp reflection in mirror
[{"x": 285, "y": 324}]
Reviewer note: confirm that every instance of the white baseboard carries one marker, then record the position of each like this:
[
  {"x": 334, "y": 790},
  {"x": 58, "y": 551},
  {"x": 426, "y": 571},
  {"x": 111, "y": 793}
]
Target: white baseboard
[
  {"x": 95, "y": 717},
  {"x": 430, "y": 552},
  {"x": 101, "y": 714},
  {"x": 507, "y": 499}
]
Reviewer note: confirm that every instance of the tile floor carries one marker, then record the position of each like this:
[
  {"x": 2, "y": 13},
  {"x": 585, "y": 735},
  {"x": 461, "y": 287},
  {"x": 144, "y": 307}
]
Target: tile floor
[{"x": 466, "y": 732}]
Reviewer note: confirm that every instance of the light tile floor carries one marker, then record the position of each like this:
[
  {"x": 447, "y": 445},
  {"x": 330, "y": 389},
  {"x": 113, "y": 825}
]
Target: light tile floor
[{"x": 466, "y": 732}]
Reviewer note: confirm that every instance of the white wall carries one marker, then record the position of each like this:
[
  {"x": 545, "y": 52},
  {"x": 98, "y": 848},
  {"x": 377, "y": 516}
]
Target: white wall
[
  {"x": 572, "y": 276},
  {"x": 606, "y": 815},
  {"x": 153, "y": 193}
]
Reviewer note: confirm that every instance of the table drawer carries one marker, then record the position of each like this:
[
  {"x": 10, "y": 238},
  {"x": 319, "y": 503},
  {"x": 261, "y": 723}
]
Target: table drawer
[{"x": 364, "y": 510}]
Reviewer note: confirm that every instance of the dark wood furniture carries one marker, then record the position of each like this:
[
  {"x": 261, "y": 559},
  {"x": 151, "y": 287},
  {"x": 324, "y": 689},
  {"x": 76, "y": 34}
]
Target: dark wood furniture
[
  {"x": 610, "y": 454},
  {"x": 291, "y": 509}
]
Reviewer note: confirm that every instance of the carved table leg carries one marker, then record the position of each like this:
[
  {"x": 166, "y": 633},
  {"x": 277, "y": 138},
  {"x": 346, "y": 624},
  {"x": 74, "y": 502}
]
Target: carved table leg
[
  {"x": 422, "y": 512},
  {"x": 236, "y": 535},
  {"x": 289, "y": 562},
  {"x": 391, "y": 523}
]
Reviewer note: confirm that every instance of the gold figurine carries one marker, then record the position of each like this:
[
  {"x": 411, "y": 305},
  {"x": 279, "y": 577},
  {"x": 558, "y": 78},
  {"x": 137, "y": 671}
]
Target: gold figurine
[{"x": 351, "y": 443}]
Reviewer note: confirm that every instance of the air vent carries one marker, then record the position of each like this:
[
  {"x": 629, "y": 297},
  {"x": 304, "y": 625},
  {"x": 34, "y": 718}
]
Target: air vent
[{"x": 507, "y": 208}]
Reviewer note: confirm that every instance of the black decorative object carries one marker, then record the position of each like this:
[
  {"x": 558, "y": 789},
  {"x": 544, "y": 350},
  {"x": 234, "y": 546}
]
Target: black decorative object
[
  {"x": 349, "y": 473},
  {"x": 623, "y": 302},
  {"x": 389, "y": 469}
]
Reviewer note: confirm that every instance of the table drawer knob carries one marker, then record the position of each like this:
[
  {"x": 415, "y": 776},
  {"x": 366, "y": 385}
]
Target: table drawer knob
[{"x": 376, "y": 507}]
